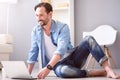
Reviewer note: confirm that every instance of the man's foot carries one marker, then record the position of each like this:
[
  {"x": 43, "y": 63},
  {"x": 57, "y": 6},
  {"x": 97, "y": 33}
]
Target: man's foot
[{"x": 112, "y": 74}]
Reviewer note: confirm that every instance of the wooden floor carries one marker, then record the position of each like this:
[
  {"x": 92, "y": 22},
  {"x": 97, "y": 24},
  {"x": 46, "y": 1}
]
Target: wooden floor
[{"x": 51, "y": 77}]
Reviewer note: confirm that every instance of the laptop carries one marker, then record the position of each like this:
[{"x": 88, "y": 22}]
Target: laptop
[{"x": 16, "y": 70}]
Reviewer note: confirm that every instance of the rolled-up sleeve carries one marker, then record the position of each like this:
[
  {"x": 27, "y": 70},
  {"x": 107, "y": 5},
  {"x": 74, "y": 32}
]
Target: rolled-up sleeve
[
  {"x": 63, "y": 40},
  {"x": 33, "y": 53}
]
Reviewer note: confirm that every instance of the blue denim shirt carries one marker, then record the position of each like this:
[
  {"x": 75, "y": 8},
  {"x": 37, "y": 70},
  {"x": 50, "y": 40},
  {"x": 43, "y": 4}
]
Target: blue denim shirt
[{"x": 60, "y": 37}]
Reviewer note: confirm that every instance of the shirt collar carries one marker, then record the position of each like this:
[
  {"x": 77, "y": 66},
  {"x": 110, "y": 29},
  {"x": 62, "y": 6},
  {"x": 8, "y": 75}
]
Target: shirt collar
[{"x": 53, "y": 27}]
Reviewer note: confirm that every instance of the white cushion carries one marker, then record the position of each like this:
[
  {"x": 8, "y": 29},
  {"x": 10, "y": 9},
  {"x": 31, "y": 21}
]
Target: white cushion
[
  {"x": 6, "y": 39},
  {"x": 6, "y": 48}
]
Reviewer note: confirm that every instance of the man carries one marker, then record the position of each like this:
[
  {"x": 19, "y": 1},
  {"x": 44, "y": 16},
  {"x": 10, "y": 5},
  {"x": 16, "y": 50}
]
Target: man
[{"x": 51, "y": 39}]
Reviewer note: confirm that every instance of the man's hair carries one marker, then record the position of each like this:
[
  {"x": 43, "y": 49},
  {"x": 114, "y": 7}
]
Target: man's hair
[{"x": 47, "y": 6}]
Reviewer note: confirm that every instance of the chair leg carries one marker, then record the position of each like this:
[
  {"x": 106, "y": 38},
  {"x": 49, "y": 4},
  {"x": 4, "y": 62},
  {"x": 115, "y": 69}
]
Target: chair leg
[
  {"x": 88, "y": 61},
  {"x": 93, "y": 65},
  {"x": 108, "y": 54}
]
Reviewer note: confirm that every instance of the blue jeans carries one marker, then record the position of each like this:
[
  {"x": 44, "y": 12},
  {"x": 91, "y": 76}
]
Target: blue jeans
[{"x": 70, "y": 67}]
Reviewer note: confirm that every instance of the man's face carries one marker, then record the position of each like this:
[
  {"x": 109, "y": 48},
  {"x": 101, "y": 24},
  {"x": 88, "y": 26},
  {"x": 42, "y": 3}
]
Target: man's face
[{"x": 42, "y": 16}]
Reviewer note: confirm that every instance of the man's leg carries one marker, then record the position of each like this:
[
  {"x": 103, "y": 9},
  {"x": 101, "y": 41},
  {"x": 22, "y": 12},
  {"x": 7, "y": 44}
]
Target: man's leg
[
  {"x": 96, "y": 73},
  {"x": 68, "y": 71},
  {"x": 87, "y": 45},
  {"x": 73, "y": 63},
  {"x": 70, "y": 66},
  {"x": 99, "y": 55},
  {"x": 78, "y": 58}
]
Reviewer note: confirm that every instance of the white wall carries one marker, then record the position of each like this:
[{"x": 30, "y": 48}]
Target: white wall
[
  {"x": 3, "y": 18},
  {"x": 21, "y": 22},
  {"x": 91, "y": 13}
]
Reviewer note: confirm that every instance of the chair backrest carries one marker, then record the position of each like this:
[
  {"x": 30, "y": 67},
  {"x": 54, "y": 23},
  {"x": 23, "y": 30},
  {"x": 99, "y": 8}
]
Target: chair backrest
[{"x": 104, "y": 35}]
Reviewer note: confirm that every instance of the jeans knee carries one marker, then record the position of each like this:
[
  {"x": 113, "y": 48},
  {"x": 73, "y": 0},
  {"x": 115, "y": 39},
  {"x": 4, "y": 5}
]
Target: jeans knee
[
  {"x": 64, "y": 72},
  {"x": 67, "y": 71},
  {"x": 90, "y": 40},
  {"x": 58, "y": 71}
]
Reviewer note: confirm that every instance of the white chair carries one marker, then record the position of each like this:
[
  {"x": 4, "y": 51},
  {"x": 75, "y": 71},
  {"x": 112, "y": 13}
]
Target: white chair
[{"x": 105, "y": 35}]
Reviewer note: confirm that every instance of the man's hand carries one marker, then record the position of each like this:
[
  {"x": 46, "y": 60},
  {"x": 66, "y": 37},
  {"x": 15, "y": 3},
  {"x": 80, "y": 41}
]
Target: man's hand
[
  {"x": 43, "y": 73},
  {"x": 30, "y": 67}
]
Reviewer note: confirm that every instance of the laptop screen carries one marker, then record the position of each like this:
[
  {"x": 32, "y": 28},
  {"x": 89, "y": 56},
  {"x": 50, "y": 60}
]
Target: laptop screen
[{"x": 15, "y": 69}]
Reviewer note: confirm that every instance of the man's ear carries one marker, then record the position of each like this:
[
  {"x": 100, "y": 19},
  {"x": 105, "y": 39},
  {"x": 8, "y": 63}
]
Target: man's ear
[{"x": 50, "y": 13}]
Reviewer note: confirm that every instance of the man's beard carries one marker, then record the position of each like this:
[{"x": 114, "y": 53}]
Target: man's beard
[{"x": 42, "y": 23}]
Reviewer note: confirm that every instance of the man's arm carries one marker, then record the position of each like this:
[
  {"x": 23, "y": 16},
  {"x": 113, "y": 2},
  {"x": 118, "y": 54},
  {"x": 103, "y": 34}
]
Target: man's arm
[
  {"x": 33, "y": 53},
  {"x": 30, "y": 67},
  {"x": 54, "y": 60}
]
